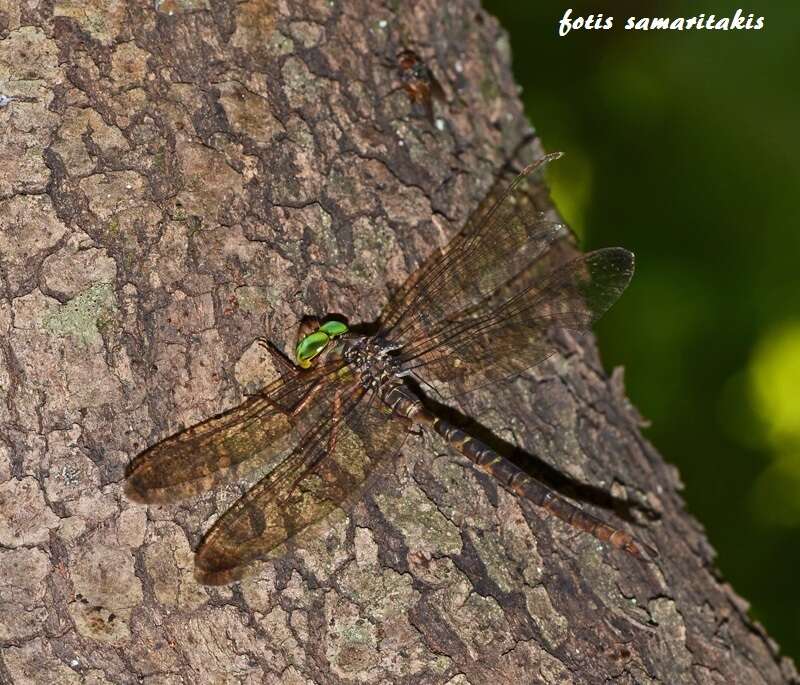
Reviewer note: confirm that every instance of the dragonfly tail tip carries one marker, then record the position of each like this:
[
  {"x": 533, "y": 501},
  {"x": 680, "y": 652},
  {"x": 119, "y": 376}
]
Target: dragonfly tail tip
[{"x": 643, "y": 551}]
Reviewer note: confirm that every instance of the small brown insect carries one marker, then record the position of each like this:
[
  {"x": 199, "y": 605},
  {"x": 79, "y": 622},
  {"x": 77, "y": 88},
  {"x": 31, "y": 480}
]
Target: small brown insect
[{"x": 417, "y": 81}]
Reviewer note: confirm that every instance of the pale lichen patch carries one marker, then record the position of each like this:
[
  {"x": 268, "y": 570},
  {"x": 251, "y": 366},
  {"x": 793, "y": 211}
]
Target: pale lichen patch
[
  {"x": 351, "y": 644},
  {"x": 61, "y": 346},
  {"x": 421, "y": 524},
  {"x": 70, "y": 474},
  {"x": 84, "y": 316},
  {"x": 303, "y": 88},
  {"x": 553, "y": 626},
  {"x": 499, "y": 567},
  {"x": 279, "y": 44}
]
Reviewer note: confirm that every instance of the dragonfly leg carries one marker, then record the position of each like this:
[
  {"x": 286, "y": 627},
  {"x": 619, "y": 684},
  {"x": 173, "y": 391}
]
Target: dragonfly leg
[
  {"x": 309, "y": 397},
  {"x": 285, "y": 368},
  {"x": 336, "y": 416}
]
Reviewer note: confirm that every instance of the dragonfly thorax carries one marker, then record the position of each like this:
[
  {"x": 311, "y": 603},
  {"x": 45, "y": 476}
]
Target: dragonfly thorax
[{"x": 371, "y": 361}]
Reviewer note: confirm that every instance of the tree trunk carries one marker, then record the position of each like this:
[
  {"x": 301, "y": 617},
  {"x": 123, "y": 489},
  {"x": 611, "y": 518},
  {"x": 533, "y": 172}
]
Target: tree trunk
[{"x": 177, "y": 181}]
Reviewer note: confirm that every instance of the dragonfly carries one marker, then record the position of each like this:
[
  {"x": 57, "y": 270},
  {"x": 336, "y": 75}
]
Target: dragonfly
[{"x": 482, "y": 309}]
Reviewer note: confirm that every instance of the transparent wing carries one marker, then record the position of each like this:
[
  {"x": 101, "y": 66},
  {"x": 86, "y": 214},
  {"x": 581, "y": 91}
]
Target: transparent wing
[
  {"x": 351, "y": 434},
  {"x": 250, "y": 436},
  {"x": 512, "y": 331},
  {"x": 500, "y": 241}
]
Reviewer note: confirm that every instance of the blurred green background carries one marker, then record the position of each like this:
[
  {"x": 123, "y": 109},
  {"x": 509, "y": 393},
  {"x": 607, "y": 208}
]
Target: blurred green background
[{"x": 684, "y": 147}]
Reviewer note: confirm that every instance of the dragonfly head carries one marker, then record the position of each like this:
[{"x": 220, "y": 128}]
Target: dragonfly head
[{"x": 312, "y": 344}]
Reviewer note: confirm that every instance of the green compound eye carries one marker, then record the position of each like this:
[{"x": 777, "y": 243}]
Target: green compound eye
[
  {"x": 333, "y": 328},
  {"x": 310, "y": 346}
]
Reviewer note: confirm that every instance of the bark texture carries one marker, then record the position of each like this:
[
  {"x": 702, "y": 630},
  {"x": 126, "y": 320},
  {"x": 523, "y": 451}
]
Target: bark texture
[{"x": 179, "y": 178}]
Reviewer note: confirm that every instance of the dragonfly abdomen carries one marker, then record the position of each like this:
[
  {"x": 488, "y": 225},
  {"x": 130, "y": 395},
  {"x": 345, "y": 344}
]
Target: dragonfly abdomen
[{"x": 520, "y": 483}]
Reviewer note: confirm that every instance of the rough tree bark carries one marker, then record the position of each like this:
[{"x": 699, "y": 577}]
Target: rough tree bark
[{"x": 176, "y": 181}]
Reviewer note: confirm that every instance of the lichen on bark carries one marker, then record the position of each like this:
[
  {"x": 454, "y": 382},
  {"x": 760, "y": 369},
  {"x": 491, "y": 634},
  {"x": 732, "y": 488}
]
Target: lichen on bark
[{"x": 182, "y": 177}]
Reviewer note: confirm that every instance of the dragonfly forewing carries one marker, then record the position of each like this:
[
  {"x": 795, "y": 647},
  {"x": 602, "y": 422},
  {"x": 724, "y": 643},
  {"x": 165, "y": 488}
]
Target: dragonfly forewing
[
  {"x": 505, "y": 237},
  {"x": 512, "y": 330},
  {"x": 246, "y": 438},
  {"x": 250, "y": 437},
  {"x": 330, "y": 466}
]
